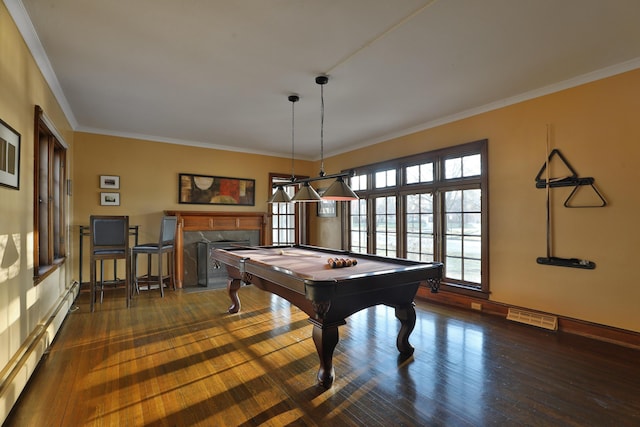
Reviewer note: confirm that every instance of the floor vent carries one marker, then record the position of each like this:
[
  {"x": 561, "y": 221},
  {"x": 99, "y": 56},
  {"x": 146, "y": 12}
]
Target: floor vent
[{"x": 536, "y": 319}]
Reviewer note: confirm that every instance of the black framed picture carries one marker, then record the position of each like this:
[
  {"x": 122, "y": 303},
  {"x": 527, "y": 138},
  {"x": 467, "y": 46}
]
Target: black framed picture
[
  {"x": 326, "y": 208},
  {"x": 9, "y": 156},
  {"x": 215, "y": 190}
]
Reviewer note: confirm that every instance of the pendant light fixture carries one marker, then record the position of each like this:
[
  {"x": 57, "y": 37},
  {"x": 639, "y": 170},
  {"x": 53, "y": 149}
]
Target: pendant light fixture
[
  {"x": 306, "y": 193},
  {"x": 339, "y": 190},
  {"x": 281, "y": 196}
]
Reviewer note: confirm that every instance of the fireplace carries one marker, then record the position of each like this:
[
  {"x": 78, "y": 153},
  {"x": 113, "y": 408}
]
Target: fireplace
[
  {"x": 210, "y": 273},
  {"x": 194, "y": 227}
]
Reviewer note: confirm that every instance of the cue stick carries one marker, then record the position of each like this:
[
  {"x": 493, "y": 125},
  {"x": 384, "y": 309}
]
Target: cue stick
[
  {"x": 282, "y": 252},
  {"x": 548, "y": 192}
]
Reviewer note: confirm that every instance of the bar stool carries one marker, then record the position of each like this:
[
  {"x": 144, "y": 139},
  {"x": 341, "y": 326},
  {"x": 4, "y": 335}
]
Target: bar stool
[
  {"x": 109, "y": 240},
  {"x": 165, "y": 245}
]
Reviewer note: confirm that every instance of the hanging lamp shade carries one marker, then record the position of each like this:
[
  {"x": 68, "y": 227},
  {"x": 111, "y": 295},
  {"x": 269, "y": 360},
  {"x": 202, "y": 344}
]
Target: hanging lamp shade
[
  {"x": 339, "y": 191},
  {"x": 306, "y": 194},
  {"x": 280, "y": 196}
]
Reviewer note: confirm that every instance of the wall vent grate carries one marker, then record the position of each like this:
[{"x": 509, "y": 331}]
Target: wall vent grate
[{"x": 536, "y": 319}]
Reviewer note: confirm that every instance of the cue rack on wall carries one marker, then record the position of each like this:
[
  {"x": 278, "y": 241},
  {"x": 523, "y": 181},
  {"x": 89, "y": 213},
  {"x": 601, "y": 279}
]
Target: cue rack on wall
[{"x": 571, "y": 180}]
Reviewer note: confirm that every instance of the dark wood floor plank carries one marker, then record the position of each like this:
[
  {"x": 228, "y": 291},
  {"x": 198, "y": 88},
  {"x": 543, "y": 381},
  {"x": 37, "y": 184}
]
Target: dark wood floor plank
[{"x": 183, "y": 361}]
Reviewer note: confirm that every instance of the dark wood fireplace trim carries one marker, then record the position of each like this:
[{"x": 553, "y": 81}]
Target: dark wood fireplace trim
[{"x": 213, "y": 221}]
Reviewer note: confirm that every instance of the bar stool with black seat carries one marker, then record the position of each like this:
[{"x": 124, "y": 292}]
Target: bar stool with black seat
[
  {"x": 109, "y": 241},
  {"x": 165, "y": 245}
]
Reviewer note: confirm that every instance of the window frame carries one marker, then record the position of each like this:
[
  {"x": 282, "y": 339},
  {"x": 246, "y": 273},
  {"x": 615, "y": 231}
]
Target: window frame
[
  {"x": 49, "y": 201},
  {"x": 301, "y": 214},
  {"x": 438, "y": 188}
]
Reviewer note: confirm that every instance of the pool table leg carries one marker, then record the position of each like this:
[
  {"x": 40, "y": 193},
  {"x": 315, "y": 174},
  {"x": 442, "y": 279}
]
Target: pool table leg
[
  {"x": 325, "y": 338},
  {"x": 407, "y": 317},
  {"x": 232, "y": 289}
]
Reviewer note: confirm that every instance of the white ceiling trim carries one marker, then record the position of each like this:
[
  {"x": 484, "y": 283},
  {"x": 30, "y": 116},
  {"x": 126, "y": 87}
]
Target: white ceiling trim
[
  {"x": 188, "y": 143},
  {"x": 21, "y": 18},
  {"x": 556, "y": 87}
]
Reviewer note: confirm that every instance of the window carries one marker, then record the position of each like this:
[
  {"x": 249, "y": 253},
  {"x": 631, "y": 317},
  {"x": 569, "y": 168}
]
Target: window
[
  {"x": 283, "y": 221},
  {"x": 385, "y": 226},
  {"x": 288, "y": 220},
  {"x": 49, "y": 201},
  {"x": 427, "y": 207}
]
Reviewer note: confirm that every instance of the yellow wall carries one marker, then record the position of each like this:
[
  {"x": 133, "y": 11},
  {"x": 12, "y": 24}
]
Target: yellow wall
[
  {"x": 593, "y": 125},
  {"x": 597, "y": 128},
  {"x": 148, "y": 174},
  {"x": 23, "y": 306}
]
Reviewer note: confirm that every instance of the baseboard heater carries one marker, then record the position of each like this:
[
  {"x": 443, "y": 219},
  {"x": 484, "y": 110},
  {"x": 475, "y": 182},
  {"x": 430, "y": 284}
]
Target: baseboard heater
[{"x": 545, "y": 321}]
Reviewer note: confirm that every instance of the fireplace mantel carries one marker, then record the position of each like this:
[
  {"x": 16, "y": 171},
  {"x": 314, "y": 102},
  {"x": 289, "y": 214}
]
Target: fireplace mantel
[{"x": 213, "y": 221}]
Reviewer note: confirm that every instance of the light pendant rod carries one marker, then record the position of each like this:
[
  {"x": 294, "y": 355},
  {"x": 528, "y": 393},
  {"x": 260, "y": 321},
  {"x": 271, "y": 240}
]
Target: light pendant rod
[
  {"x": 293, "y": 99},
  {"x": 317, "y": 178},
  {"x": 339, "y": 190},
  {"x": 281, "y": 196},
  {"x": 322, "y": 80}
]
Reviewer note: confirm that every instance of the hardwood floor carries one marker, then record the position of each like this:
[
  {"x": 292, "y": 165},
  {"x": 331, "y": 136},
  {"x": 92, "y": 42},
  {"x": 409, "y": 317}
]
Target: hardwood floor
[{"x": 182, "y": 361}]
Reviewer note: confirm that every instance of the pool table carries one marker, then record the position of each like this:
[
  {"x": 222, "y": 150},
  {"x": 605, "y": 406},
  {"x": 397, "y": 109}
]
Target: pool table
[{"x": 302, "y": 275}]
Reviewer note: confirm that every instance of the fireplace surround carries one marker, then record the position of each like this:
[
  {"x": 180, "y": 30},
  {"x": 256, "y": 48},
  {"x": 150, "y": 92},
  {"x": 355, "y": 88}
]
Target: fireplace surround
[{"x": 195, "y": 226}]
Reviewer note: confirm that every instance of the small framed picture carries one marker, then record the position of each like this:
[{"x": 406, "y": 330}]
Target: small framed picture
[
  {"x": 110, "y": 199},
  {"x": 9, "y": 156},
  {"x": 326, "y": 208},
  {"x": 110, "y": 181}
]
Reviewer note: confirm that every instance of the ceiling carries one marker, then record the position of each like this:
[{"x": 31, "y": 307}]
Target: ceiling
[{"x": 217, "y": 73}]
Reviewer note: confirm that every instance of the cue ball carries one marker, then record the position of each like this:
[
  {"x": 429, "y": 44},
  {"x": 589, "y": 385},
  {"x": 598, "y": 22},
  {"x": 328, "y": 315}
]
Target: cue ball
[{"x": 281, "y": 251}]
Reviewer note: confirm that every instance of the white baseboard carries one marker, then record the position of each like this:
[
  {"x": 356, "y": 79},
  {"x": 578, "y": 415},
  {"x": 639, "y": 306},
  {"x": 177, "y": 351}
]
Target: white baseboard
[{"x": 18, "y": 371}]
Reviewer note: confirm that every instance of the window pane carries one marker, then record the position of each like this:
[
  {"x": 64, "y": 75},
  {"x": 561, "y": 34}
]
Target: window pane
[
  {"x": 472, "y": 247},
  {"x": 358, "y": 182},
  {"x": 426, "y": 172},
  {"x": 453, "y": 268},
  {"x": 355, "y": 207},
  {"x": 358, "y": 220},
  {"x": 472, "y": 224},
  {"x": 453, "y": 246},
  {"x": 453, "y": 223},
  {"x": 413, "y": 223},
  {"x": 471, "y": 165},
  {"x": 385, "y": 226},
  {"x": 283, "y": 219},
  {"x": 385, "y": 178},
  {"x": 427, "y": 244},
  {"x": 413, "y": 244},
  {"x": 419, "y": 173},
  {"x": 472, "y": 270},
  {"x": 463, "y": 233},
  {"x": 419, "y": 226},
  {"x": 413, "y": 174},
  {"x": 453, "y": 168},
  {"x": 413, "y": 203},
  {"x": 453, "y": 201},
  {"x": 471, "y": 200}
]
